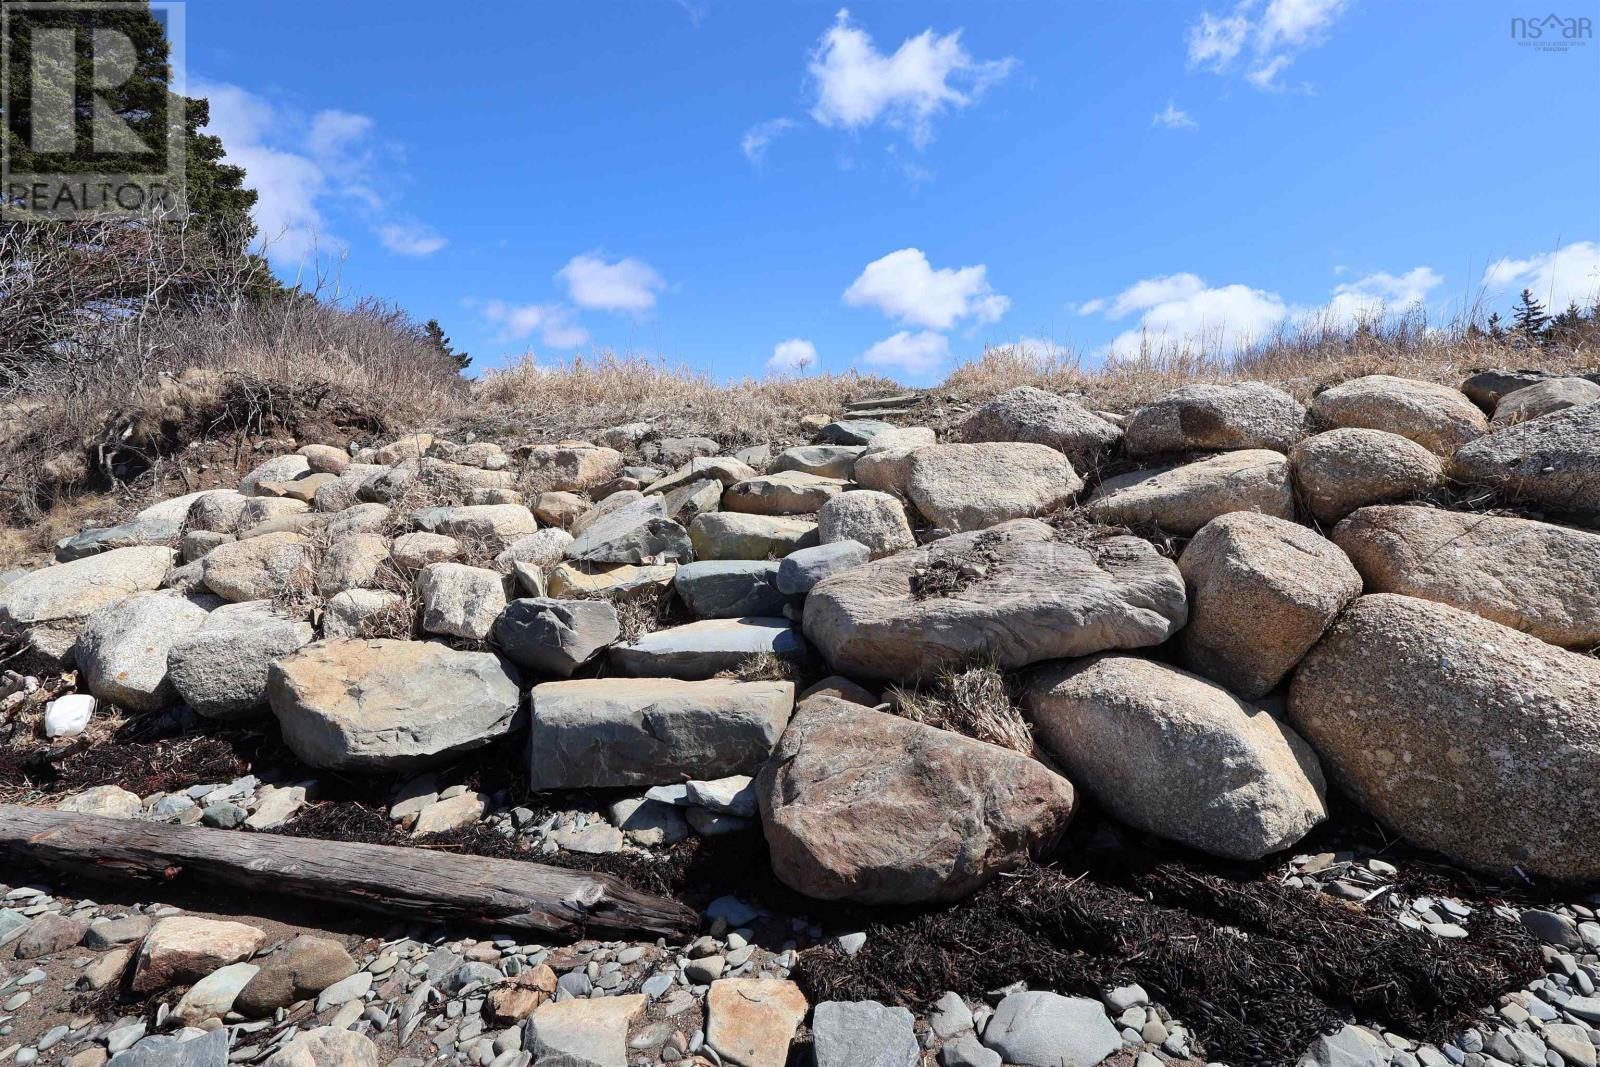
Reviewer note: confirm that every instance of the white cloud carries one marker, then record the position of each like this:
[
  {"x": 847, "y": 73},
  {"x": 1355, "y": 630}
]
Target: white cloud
[
  {"x": 1180, "y": 311},
  {"x": 1218, "y": 320},
  {"x": 1283, "y": 30},
  {"x": 1216, "y": 41},
  {"x": 793, "y": 356},
  {"x": 916, "y": 354},
  {"x": 1569, "y": 275},
  {"x": 410, "y": 238},
  {"x": 1375, "y": 295},
  {"x": 905, "y": 287},
  {"x": 1145, "y": 293},
  {"x": 625, "y": 285},
  {"x": 1173, "y": 118},
  {"x": 556, "y": 324},
  {"x": 857, "y": 85},
  {"x": 758, "y": 137},
  {"x": 300, "y": 168}
]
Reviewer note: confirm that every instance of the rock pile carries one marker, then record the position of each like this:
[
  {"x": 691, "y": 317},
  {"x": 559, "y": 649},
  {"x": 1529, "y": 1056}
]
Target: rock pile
[{"x": 636, "y": 613}]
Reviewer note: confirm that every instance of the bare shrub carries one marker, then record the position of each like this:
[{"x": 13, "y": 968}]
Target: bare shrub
[{"x": 975, "y": 702}]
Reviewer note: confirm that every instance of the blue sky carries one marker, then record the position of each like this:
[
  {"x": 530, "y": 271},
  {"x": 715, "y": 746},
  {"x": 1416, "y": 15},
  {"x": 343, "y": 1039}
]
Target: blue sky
[{"x": 779, "y": 186}]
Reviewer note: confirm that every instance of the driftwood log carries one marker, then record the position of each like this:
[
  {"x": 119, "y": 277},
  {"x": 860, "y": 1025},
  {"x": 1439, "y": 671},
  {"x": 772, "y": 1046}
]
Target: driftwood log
[{"x": 415, "y": 883}]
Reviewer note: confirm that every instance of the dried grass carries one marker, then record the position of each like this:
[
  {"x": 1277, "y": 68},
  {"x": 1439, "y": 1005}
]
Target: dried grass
[
  {"x": 976, "y": 702},
  {"x": 580, "y": 398},
  {"x": 765, "y": 667},
  {"x": 1299, "y": 358}
]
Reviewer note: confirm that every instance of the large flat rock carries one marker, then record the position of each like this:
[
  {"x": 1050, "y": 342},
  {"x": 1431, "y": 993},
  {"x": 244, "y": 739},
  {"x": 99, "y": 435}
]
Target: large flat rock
[
  {"x": 1463, "y": 735},
  {"x": 606, "y": 732},
  {"x": 1180, "y": 500},
  {"x": 866, "y": 806},
  {"x": 1013, "y": 594},
  {"x": 703, "y": 649},
  {"x": 386, "y": 705},
  {"x": 1552, "y": 462},
  {"x": 963, "y": 487},
  {"x": 1535, "y": 577},
  {"x": 1171, "y": 753},
  {"x": 49, "y": 605}
]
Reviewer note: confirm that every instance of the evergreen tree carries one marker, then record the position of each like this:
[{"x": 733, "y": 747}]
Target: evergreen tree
[
  {"x": 1496, "y": 331},
  {"x": 436, "y": 338},
  {"x": 1528, "y": 319}
]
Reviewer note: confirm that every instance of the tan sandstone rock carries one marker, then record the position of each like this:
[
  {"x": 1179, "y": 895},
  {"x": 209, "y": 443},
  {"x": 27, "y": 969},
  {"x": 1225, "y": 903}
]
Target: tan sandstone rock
[
  {"x": 865, "y": 806},
  {"x": 1437, "y": 417},
  {"x": 1342, "y": 470},
  {"x": 1169, "y": 752},
  {"x": 750, "y": 1021},
  {"x": 1180, "y": 500},
  {"x": 183, "y": 948},
  {"x": 1261, "y": 592},
  {"x": 1535, "y": 577}
]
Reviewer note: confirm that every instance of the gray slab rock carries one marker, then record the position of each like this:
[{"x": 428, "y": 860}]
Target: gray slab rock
[
  {"x": 863, "y": 1034},
  {"x": 582, "y": 1033},
  {"x": 826, "y": 461},
  {"x": 48, "y": 606},
  {"x": 123, "y": 648},
  {"x": 601, "y": 733},
  {"x": 853, "y": 431},
  {"x": 386, "y": 705},
  {"x": 700, "y": 650},
  {"x": 126, "y": 535},
  {"x": 1350, "y": 1046},
  {"x": 799, "y": 571},
  {"x": 639, "y": 532},
  {"x": 729, "y": 589},
  {"x": 220, "y": 670},
  {"x": 1039, "y": 1029},
  {"x": 161, "y": 1050},
  {"x": 557, "y": 637}
]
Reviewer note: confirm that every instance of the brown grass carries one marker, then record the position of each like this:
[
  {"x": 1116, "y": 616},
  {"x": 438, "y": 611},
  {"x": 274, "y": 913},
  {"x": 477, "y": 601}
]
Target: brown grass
[
  {"x": 975, "y": 702},
  {"x": 1299, "y": 359},
  {"x": 581, "y": 398}
]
